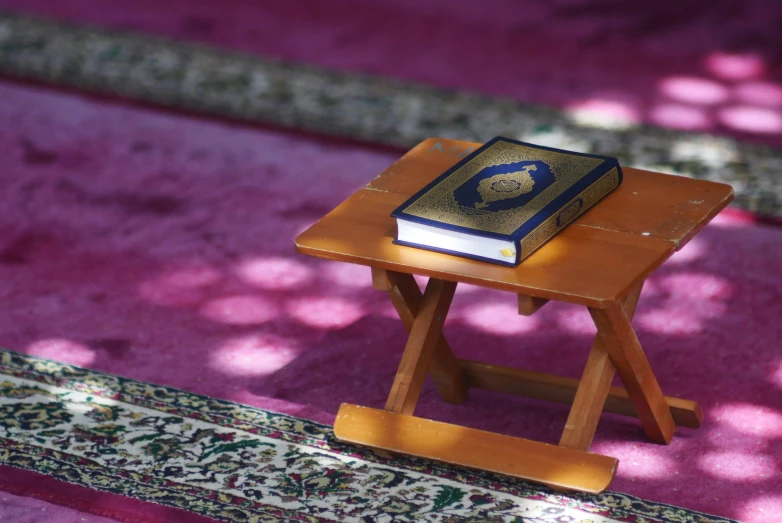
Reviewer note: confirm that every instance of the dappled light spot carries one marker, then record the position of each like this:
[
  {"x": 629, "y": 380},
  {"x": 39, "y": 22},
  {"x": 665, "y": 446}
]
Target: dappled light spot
[
  {"x": 273, "y": 273},
  {"x": 759, "y": 93},
  {"x": 638, "y": 461},
  {"x": 254, "y": 355},
  {"x": 671, "y": 321},
  {"x": 325, "y": 313},
  {"x": 189, "y": 277},
  {"x": 556, "y": 249},
  {"x": 498, "y": 318},
  {"x": 59, "y": 349},
  {"x": 576, "y": 320},
  {"x": 751, "y": 119},
  {"x": 694, "y": 250},
  {"x": 761, "y": 507},
  {"x": 241, "y": 310},
  {"x": 753, "y": 420},
  {"x": 690, "y": 301},
  {"x": 695, "y": 286},
  {"x": 347, "y": 274},
  {"x": 680, "y": 116},
  {"x": 738, "y": 466},
  {"x": 606, "y": 114},
  {"x": 694, "y": 90},
  {"x": 730, "y": 66}
]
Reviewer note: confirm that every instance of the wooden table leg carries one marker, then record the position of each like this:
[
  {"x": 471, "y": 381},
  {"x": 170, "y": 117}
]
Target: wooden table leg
[
  {"x": 621, "y": 344},
  {"x": 424, "y": 338},
  {"x": 396, "y": 430},
  {"x": 593, "y": 388},
  {"x": 406, "y": 296}
]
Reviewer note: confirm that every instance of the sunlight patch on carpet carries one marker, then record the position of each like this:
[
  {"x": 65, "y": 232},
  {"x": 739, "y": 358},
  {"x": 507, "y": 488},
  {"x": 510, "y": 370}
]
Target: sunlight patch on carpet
[
  {"x": 644, "y": 464},
  {"x": 253, "y": 355},
  {"x": 498, "y": 318},
  {"x": 744, "y": 417},
  {"x": 242, "y": 309},
  {"x": 735, "y": 66},
  {"x": 77, "y": 353},
  {"x": 274, "y": 273},
  {"x": 694, "y": 90},
  {"x": 754, "y": 468},
  {"x": 325, "y": 312}
]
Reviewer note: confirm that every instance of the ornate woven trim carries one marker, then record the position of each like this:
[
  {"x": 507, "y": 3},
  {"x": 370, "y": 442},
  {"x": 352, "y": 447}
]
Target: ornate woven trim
[{"x": 236, "y": 463}]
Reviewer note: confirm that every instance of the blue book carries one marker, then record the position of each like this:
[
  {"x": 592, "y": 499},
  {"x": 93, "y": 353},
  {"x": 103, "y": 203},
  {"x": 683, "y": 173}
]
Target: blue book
[{"x": 505, "y": 200}]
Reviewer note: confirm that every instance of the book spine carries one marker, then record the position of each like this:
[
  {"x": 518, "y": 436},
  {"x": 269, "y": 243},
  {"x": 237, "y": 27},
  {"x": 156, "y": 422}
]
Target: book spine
[{"x": 569, "y": 212}]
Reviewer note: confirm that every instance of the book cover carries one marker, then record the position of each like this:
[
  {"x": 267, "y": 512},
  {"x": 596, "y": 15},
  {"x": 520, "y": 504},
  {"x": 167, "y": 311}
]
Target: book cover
[{"x": 506, "y": 195}]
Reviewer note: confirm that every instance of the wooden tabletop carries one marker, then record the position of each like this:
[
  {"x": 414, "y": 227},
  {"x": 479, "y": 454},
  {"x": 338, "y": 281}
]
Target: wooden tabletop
[{"x": 594, "y": 261}]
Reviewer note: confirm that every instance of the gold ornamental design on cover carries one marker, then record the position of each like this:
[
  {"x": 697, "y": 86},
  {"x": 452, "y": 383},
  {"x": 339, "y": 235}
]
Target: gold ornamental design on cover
[
  {"x": 505, "y": 186},
  {"x": 439, "y": 203}
]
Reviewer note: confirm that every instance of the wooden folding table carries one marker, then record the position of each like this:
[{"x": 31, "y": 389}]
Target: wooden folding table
[{"x": 600, "y": 261}]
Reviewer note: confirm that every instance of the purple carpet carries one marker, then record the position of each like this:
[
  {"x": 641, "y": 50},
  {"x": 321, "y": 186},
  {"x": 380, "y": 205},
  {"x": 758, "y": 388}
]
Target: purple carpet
[
  {"x": 694, "y": 64},
  {"x": 20, "y": 509},
  {"x": 160, "y": 247}
]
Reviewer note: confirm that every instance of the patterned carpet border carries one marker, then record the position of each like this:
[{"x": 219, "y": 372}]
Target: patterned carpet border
[
  {"x": 236, "y": 463},
  {"x": 362, "y": 107}
]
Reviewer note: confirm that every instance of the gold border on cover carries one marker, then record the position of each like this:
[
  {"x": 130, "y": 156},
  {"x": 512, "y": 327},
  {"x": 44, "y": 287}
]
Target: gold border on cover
[
  {"x": 439, "y": 203},
  {"x": 546, "y": 230}
]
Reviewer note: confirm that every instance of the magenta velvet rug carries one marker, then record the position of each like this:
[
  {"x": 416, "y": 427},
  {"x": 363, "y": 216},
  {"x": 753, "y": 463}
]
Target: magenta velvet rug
[
  {"x": 21, "y": 509},
  {"x": 694, "y": 65},
  {"x": 160, "y": 247}
]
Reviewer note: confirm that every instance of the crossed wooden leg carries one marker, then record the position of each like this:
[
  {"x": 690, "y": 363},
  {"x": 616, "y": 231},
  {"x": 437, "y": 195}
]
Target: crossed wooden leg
[
  {"x": 409, "y": 304},
  {"x": 593, "y": 388},
  {"x": 568, "y": 466},
  {"x": 620, "y": 343}
]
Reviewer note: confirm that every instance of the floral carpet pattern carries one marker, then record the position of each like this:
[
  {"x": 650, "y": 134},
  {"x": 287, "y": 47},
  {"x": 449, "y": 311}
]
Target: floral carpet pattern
[
  {"x": 367, "y": 108},
  {"x": 236, "y": 463}
]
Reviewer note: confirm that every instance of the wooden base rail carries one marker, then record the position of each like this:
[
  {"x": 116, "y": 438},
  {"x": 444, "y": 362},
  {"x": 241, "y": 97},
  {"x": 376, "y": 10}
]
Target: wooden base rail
[
  {"x": 557, "y": 389},
  {"x": 552, "y": 465}
]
